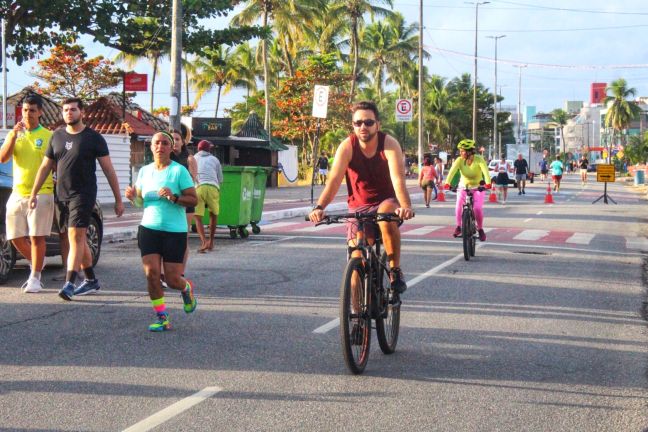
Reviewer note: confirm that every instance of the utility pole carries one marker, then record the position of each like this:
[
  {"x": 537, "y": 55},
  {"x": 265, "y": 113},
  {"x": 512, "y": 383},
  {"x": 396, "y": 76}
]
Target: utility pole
[
  {"x": 519, "y": 108},
  {"x": 420, "y": 87},
  {"x": 176, "y": 64},
  {"x": 474, "y": 110},
  {"x": 499, "y": 150}
]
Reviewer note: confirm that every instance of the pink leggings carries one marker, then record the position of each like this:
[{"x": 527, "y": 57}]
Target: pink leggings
[{"x": 478, "y": 206}]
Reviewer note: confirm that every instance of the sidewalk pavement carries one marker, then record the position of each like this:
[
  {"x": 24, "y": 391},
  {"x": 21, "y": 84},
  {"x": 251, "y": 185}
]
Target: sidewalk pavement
[{"x": 279, "y": 203}]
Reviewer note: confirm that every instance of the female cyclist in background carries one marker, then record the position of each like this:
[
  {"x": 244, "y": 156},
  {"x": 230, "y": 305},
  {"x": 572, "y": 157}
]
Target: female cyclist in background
[{"x": 473, "y": 170}]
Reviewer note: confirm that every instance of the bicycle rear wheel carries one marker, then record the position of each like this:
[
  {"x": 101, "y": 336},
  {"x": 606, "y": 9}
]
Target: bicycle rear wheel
[
  {"x": 466, "y": 234},
  {"x": 355, "y": 317},
  {"x": 388, "y": 323}
]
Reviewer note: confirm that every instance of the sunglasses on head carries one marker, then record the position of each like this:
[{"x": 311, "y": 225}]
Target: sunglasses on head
[{"x": 367, "y": 123}]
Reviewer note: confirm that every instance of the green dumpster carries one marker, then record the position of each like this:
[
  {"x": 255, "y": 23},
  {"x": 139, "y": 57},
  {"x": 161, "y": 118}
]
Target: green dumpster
[
  {"x": 258, "y": 195},
  {"x": 236, "y": 199}
]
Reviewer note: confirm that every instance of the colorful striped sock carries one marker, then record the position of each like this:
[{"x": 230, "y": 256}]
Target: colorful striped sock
[{"x": 158, "y": 305}]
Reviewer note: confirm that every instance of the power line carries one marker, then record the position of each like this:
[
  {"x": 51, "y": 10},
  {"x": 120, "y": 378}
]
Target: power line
[
  {"x": 590, "y": 11},
  {"x": 542, "y": 30},
  {"x": 543, "y": 65}
]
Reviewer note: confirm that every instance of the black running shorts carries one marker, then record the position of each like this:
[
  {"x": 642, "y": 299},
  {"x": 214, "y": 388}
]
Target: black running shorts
[{"x": 169, "y": 245}]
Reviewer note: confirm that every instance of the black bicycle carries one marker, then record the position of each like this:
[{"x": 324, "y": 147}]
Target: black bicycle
[
  {"x": 365, "y": 293},
  {"x": 469, "y": 234}
]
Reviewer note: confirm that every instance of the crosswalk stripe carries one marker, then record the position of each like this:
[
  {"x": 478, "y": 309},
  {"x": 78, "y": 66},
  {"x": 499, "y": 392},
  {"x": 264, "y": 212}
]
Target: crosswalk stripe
[
  {"x": 637, "y": 243},
  {"x": 317, "y": 228},
  {"x": 278, "y": 225},
  {"x": 422, "y": 230},
  {"x": 580, "y": 238},
  {"x": 531, "y": 235}
]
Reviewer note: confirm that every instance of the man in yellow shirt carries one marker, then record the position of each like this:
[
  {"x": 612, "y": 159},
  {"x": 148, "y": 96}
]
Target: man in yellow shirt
[{"x": 27, "y": 228}]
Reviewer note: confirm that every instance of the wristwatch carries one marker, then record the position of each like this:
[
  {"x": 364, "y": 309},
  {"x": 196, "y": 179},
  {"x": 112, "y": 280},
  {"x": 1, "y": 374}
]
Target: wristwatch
[
  {"x": 175, "y": 198},
  {"x": 318, "y": 207}
]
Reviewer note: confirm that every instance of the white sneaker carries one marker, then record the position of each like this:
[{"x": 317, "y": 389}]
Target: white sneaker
[{"x": 32, "y": 285}]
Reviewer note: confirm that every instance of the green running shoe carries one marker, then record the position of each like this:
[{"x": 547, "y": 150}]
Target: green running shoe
[
  {"x": 188, "y": 298},
  {"x": 162, "y": 324}
]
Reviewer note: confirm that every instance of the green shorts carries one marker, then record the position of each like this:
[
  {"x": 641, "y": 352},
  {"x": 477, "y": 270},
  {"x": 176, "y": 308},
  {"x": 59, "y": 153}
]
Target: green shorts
[{"x": 208, "y": 195}]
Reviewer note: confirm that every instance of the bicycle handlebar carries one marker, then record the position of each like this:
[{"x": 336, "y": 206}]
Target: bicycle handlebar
[{"x": 365, "y": 217}]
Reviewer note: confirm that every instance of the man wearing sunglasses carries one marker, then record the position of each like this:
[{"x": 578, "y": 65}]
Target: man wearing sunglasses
[{"x": 372, "y": 163}]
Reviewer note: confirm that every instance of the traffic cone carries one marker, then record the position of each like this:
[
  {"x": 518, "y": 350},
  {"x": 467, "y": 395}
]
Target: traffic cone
[
  {"x": 548, "y": 196},
  {"x": 441, "y": 195},
  {"x": 492, "y": 198}
]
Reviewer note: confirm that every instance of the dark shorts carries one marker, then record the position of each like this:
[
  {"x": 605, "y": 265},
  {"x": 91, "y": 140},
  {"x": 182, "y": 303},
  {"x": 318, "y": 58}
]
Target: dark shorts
[
  {"x": 169, "y": 245},
  {"x": 370, "y": 228},
  {"x": 190, "y": 209},
  {"x": 428, "y": 184},
  {"x": 75, "y": 213},
  {"x": 502, "y": 179},
  {"x": 545, "y": 171}
]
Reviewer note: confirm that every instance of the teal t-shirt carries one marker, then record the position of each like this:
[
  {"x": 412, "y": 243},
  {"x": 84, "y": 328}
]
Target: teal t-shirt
[
  {"x": 557, "y": 167},
  {"x": 160, "y": 213}
]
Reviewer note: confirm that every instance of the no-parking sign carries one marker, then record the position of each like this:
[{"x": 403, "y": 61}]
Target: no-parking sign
[
  {"x": 320, "y": 101},
  {"x": 404, "y": 110}
]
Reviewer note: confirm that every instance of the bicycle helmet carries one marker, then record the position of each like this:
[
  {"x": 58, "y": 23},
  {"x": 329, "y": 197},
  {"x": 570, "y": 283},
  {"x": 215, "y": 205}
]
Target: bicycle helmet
[{"x": 466, "y": 144}]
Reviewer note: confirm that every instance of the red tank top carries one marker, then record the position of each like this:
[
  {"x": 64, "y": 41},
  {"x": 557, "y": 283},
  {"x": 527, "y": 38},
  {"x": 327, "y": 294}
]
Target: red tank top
[{"x": 368, "y": 180}]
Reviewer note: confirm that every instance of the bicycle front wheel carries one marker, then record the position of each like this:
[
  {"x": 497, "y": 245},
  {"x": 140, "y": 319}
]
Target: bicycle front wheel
[
  {"x": 466, "y": 234},
  {"x": 388, "y": 322},
  {"x": 355, "y": 317}
]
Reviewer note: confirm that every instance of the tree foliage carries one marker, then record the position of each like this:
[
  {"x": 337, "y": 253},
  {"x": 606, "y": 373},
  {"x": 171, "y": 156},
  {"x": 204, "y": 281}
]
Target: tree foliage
[
  {"x": 69, "y": 73},
  {"x": 131, "y": 26}
]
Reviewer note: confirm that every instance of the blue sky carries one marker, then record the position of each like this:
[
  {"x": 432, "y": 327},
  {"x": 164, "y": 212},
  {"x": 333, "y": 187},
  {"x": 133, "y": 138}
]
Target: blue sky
[{"x": 566, "y": 44}]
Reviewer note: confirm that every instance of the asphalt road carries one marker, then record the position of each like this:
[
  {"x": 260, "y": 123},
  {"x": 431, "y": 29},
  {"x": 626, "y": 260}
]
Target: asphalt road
[{"x": 542, "y": 331}]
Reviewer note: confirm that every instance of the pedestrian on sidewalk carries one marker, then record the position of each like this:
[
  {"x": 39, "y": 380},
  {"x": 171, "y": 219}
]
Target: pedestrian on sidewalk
[
  {"x": 27, "y": 228},
  {"x": 427, "y": 180},
  {"x": 181, "y": 155},
  {"x": 323, "y": 167},
  {"x": 164, "y": 188},
  {"x": 521, "y": 169},
  {"x": 210, "y": 178},
  {"x": 74, "y": 151}
]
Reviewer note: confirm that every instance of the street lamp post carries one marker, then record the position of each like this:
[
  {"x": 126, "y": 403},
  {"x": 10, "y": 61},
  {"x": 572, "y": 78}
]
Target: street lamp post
[
  {"x": 499, "y": 149},
  {"x": 519, "y": 110},
  {"x": 474, "y": 110}
]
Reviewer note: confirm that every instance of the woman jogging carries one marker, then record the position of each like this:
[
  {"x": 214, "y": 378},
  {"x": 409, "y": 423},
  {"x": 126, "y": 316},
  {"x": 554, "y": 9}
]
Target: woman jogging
[
  {"x": 427, "y": 180},
  {"x": 502, "y": 180},
  {"x": 474, "y": 171},
  {"x": 164, "y": 188}
]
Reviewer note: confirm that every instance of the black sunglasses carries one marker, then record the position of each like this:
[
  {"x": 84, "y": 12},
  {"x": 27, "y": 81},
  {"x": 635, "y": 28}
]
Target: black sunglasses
[{"x": 367, "y": 123}]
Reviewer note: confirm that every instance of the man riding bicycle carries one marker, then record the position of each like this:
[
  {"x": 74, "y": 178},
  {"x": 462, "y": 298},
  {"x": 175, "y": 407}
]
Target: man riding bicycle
[
  {"x": 474, "y": 173},
  {"x": 372, "y": 163}
]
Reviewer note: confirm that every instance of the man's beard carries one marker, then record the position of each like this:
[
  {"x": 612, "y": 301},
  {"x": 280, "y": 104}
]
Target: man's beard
[
  {"x": 370, "y": 136},
  {"x": 73, "y": 122}
]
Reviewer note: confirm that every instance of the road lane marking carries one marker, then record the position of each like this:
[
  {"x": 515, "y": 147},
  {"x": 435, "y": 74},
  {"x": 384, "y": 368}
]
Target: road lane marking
[
  {"x": 328, "y": 326},
  {"x": 171, "y": 411},
  {"x": 336, "y": 322},
  {"x": 539, "y": 213},
  {"x": 637, "y": 243},
  {"x": 421, "y": 231},
  {"x": 528, "y": 220},
  {"x": 580, "y": 238},
  {"x": 530, "y": 235}
]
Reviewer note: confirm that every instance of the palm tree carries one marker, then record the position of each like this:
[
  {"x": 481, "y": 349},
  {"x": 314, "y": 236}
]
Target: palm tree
[
  {"x": 621, "y": 111},
  {"x": 437, "y": 108},
  {"x": 214, "y": 69},
  {"x": 402, "y": 70},
  {"x": 353, "y": 12},
  {"x": 559, "y": 118},
  {"x": 245, "y": 69}
]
